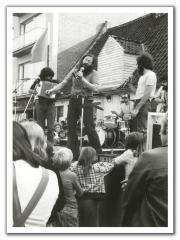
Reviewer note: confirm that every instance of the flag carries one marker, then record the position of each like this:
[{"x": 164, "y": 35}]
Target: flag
[{"x": 39, "y": 50}]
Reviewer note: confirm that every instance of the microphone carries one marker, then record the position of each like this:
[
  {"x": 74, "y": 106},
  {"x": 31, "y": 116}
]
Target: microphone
[
  {"x": 82, "y": 69},
  {"x": 75, "y": 76}
]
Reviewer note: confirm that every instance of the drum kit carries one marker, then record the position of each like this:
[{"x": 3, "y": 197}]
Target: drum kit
[{"x": 112, "y": 131}]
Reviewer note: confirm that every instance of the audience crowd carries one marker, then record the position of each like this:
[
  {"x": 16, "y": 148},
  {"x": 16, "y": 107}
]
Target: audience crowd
[{"x": 52, "y": 190}]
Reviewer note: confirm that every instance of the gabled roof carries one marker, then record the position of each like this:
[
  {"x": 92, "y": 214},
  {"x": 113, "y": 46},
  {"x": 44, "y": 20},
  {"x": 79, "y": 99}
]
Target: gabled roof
[
  {"x": 130, "y": 46},
  {"x": 70, "y": 57},
  {"x": 150, "y": 30}
]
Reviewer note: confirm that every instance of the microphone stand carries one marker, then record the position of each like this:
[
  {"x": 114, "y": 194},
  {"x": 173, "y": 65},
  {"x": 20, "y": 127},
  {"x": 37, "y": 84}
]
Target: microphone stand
[
  {"x": 15, "y": 99},
  {"x": 32, "y": 95},
  {"x": 82, "y": 116},
  {"x": 82, "y": 111}
]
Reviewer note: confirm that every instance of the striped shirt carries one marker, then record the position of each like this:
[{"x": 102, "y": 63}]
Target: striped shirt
[{"x": 92, "y": 181}]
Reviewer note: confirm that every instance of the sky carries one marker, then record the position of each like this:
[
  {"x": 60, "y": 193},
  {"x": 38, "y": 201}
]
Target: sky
[{"x": 76, "y": 27}]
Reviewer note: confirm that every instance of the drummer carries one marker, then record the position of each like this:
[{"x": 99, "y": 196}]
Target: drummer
[{"x": 126, "y": 109}]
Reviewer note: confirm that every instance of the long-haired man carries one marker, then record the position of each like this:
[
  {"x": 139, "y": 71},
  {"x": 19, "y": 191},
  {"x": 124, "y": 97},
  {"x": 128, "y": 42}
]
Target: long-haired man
[
  {"x": 144, "y": 92},
  {"x": 84, "y": 82}
]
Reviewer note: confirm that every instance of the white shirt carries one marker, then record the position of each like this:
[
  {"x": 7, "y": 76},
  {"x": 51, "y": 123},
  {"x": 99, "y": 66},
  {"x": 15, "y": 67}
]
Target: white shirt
[
  {"x": 128, "y": 159},
  {"x": 28, "y": 178},
  {"x": 148, "y": 79}
]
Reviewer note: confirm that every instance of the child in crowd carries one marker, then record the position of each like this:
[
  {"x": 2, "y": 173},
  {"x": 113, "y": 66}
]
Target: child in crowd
[
  {"x": 133, "y": 146},
  {"x": 91, "y": 177},
  {"x": 68, "y": 216}
]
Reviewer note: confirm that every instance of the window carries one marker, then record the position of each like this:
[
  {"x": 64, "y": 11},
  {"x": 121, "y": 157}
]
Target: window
[
  {"x": 60, "y": 113},
  {"x": 25, "y": 72},
  {"x": 26, "y": 32},
  {"x": 26, "y": 27}
]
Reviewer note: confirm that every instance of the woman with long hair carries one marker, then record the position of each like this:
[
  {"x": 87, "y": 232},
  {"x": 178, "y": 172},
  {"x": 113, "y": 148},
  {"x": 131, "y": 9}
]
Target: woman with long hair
[
  {"x": 36, "y": 137},
  {"x": 27, "y": 176},
  {"x": 133, "y": 148},
  {"x": 91, "y": 177}
]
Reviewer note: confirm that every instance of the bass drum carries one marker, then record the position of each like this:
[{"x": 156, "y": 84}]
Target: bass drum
[{"x": 107, "y": 137}]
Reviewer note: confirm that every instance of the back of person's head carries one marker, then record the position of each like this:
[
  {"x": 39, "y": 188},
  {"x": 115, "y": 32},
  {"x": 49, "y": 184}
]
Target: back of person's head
[
  {"x": 164, "y": 130},
  {"x": 37, "y": 138},
  {"x": 145, "y": 60},
  {"x": 46, "y": 72},
  {"x": 134, "y": 141},
  {"x": 62, "y": 158},
  {"x": 87, "y": 157},
  {"x": 22, "y": 149}
]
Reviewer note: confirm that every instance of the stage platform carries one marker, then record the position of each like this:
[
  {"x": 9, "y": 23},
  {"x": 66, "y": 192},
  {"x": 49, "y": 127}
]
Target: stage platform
[
  {"x": 113, "y": 150},
  {"x": 109, "y": 153}
]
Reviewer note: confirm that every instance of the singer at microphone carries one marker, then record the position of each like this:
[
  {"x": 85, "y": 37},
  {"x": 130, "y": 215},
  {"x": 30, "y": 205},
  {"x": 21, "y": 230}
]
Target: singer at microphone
[
  {"x": 84, "y": 82},
  {"x": 78, "y": 75}
]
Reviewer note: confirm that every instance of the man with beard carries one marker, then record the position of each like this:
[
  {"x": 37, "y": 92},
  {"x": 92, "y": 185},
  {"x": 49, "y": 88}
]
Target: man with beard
[
  {"x": 84, "y": 83},
  {"x": 144, "y": 92}
]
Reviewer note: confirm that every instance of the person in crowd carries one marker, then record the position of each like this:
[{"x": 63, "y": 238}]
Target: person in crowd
[
  {"x": 33, "y": 129},
  {"x": 161, "y": 97},
  {"x": 144, "y": 92},
  {"x": 90, "y": 174},
  {"x": 133, "y": 146},
  {"x": 57, "y": 130},
  {"x": 62, "y": 159},
  {"x": 84, "y": 83},
  {"x": 27, "y": 175},
  {"x": 44, "y": 105},
  {"x": 145, "y": 200}
]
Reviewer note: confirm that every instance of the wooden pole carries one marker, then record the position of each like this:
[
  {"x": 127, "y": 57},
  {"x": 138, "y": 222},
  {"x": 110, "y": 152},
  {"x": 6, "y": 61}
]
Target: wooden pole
[{"x": 48, "y": 45}]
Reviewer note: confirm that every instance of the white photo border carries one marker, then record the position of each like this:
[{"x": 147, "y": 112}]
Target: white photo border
[{"x": 114, "y": 9}]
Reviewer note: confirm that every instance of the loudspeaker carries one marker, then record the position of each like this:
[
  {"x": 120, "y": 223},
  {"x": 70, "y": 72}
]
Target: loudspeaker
[{"x": 156, "y": 138}]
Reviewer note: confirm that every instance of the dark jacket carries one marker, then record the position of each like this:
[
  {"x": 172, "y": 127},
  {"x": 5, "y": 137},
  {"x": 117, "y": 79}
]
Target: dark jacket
[{"x": 145, "y": 201}]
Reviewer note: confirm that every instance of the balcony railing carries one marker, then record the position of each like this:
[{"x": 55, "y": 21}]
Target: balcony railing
[
  {"x": 27, "y": 38},
  {"x": 22, "y": 87}
]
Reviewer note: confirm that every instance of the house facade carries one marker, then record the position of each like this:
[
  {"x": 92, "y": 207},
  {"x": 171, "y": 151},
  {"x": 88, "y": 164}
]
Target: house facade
[
  {"x": 27, "y": 29},
  {"x": 115, "y": 49}
]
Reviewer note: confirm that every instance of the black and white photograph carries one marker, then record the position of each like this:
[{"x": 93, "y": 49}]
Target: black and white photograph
[{"x": 90, "y": 119}]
